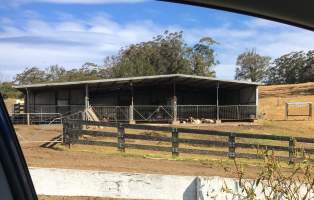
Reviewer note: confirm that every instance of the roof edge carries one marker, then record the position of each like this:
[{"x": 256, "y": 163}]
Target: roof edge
[{"x": 51, "y": 84}]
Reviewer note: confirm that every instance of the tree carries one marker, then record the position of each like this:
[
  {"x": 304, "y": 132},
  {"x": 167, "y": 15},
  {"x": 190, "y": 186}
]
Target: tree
[
  {"x": 30, "y": 76},
  {"x": 202, "y": 57},
  {"x": 252, "y": 66},
  {"x": 54, "y": 73},
  {"x": 294, "y": 67},
  {"x": 8, "y": 92},
  {"x": 165, "y": 54}
]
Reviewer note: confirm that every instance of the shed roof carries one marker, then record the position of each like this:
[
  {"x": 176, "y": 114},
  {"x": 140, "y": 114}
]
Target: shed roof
[{"x": 180, "y": 78}]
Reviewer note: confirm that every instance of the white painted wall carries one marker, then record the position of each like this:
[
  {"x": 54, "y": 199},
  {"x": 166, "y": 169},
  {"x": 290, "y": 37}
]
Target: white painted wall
[
  {"x": 65, "y": 182},
  {"x": 68, "y": 182}
]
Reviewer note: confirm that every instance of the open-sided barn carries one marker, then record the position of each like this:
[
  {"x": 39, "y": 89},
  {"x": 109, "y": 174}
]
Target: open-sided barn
[{"x": 148, "y": 98}]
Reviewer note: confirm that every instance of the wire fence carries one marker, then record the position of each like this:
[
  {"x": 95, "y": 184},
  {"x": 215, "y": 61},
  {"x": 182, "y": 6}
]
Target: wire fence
[
  {"x": 197, "y": 111},
  {"x": 112, "y": 113},
  {"x": 153, "y": 113},
  {"x": 237, "y": 112},
  {"x": 64, "y": 110},
  {"x": 143, "y": 113}
]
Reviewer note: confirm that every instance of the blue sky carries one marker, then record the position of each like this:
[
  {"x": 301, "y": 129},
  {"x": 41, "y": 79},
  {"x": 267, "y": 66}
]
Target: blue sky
[{"x": 71, "y": 32}]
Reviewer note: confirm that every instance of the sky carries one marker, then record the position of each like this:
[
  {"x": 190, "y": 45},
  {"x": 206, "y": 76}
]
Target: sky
[{"x": 72, "y": 32}]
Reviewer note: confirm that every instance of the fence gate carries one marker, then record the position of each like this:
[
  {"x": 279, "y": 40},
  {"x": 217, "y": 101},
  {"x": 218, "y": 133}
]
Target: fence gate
[
  {"x": 298, "y": 109},
  {"x": 153, "y": 113}
]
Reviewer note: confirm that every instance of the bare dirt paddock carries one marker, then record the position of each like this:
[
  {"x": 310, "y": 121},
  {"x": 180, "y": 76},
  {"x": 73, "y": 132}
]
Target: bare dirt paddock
[{"x": 109, "y": 159}]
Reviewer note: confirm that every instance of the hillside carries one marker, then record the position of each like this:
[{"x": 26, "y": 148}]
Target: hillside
[
  {"x": 9, "y": 104},
  {"x": 273, "y": 98}
]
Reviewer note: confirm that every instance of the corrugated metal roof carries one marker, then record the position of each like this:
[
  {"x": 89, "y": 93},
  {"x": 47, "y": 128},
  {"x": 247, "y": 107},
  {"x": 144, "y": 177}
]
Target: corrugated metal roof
[{"x": 130, "y": 79}]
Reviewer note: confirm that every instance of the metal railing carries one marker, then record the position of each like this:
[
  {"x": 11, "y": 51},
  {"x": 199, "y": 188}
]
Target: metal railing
[
  {"x": 36, "y": 118},
  {"x": 112, "y": 113},
  {"x": 150, "y": 113},
  {"x": 153, "y": 113},
  {"x": 197, "y": 111},
  {"x": 64, "y": 110},
  {"x": 237, "y": 112}
]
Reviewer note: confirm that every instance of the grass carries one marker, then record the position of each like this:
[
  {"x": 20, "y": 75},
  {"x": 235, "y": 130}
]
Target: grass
[{"x": 204, "y": 160}]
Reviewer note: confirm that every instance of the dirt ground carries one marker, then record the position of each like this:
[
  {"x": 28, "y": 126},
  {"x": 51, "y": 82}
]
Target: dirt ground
[
  {"x": 272, "y": 100},
  {"x": 37, "y": 156}
]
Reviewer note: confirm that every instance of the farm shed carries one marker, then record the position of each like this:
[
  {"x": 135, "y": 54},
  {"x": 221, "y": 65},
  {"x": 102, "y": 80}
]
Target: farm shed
[{"x": 169, "y": 98}]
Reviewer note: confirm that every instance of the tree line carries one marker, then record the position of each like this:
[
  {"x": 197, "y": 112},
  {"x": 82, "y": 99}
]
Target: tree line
[
  {"x": 294, "y": 67},
  {"x": 168, "y": 53}
]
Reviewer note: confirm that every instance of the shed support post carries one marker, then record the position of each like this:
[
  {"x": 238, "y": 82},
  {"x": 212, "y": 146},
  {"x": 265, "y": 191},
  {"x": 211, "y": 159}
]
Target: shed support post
[
  {"x": 86, "y": 104},
  {"x": 218, "y": 121},
  {"x": 86, "y": 97},
  {"x": 256, "y": 103},
  {"x": 174, "y": 105},
  {"x": 131, "y": 108},
  {"x": 27, "y": 108}
]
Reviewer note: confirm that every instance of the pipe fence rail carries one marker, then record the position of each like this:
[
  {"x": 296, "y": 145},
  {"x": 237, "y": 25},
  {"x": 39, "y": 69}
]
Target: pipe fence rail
[
  {"x": 112, "y": 113},
  {"x": 143, "y": 113},
  {"x": 296, "y": 148},
  {"x": 36, "y": 118},
  {"x": 64, "y": 109}
]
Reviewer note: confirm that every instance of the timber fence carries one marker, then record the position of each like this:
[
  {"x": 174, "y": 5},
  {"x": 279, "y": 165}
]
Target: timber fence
[{"x": 255, "y": 146}]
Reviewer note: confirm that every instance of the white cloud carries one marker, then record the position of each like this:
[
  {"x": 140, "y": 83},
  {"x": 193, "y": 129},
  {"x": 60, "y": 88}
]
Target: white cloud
[{"x": 72, "y": 42}]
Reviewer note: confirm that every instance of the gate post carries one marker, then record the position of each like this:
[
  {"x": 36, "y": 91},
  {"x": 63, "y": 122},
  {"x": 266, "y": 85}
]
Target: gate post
[
  {"x": 131, "y": 115},
  {"x": 66, "y": 133},
  {"x": 231, "y": 144},
  {"x": 121, "y": 138},
  {"x": 175, "y": 110},
  {"x": 175, "y": 142}
]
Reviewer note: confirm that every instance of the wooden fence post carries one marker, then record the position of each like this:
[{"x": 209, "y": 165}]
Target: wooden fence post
[
  {"x": 121, "y": 138},
  {"x": 286, "y": 111},
  {"x": 175, "y": 142},
  {"x": 66, "y": 133},
  {"x": 292, "y": 151},
  {"x": 231, "y": 145}
]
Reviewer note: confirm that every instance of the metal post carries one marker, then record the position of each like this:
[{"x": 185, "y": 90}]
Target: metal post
[
  {"x": 86, "y": 104},
  {"x": 27, "y": 107},
  {"x": 175, "y": 142},
  {"x": 174, "y": 105},
  {"x": 256, "y": 103},
  {"x": 131, "y": 108},
  {"x": 217, "y": 103},
  {"x": 28, "y": 119},
  {"x": 86, "y": 97}
]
